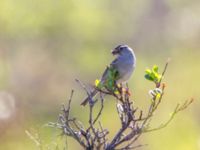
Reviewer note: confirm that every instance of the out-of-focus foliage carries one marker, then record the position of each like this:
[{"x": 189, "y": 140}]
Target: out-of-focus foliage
[{"x": 45, "y": 45}]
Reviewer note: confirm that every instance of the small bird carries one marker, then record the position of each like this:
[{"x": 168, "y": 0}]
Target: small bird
[{"x": 124, "y": 64}]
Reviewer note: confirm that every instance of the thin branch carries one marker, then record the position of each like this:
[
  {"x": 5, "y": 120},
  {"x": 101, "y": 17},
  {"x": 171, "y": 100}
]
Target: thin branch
[
  {"x": 69, "y": 104},
  {"x": 163, "y": 73},
  {"x": 177, "y": 109},
  {"x": 104, "y": 138},
  {"x": 101, "y": 109},
  {"x": 134, "y": 122}
]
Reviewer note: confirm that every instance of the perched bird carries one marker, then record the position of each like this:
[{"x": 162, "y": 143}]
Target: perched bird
[{"x": 124, "y": 64}]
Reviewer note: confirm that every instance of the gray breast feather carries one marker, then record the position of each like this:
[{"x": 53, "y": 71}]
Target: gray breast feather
[{"x": 125, "y": 66}]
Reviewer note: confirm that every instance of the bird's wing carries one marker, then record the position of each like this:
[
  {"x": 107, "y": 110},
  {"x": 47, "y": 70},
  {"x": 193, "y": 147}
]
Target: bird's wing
[
  {"x": 114, "y": 63},
  {"x": 104, "y": 76}
]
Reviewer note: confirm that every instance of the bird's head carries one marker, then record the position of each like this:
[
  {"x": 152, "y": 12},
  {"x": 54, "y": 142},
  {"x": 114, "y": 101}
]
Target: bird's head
[{"x": 122, "y": 50}]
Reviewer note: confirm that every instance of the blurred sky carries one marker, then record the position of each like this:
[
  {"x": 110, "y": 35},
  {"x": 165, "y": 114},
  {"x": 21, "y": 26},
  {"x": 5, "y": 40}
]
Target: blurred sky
[{"x": 46, "y": 44}]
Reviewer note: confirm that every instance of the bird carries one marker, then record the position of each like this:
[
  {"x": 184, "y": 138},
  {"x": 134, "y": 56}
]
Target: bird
[{"x": 124, "y": 63}]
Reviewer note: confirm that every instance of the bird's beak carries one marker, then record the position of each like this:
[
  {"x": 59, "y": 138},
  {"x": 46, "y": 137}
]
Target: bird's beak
[{"x": 115, "y": 51}]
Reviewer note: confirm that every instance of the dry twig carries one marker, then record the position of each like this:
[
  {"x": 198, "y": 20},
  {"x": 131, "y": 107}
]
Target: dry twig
[{"x": 134, "y": 122}]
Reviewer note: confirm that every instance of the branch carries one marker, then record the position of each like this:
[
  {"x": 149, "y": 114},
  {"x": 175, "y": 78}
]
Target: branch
[
  {"x": 177, "y": 109},
  {"x": 134, "y": 122}
]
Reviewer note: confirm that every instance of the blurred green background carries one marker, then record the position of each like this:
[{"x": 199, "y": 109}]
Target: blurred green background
[{"x": 46, "y": 44}]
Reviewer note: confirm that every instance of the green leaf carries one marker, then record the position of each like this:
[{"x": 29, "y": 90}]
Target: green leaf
[
  {"x": 110, "y": 83},
  {"x": 109, "y": 73},
  {"x": 156, "y": 76},
  {"x": 153, "y": 75},
  {"x": 148, "y": 71},
  {"x": 155, "y": 68},
  {"x": 110, "y": 80},
  {"x": 148, "y": 77},
  {"x": 159, "y": 77}
]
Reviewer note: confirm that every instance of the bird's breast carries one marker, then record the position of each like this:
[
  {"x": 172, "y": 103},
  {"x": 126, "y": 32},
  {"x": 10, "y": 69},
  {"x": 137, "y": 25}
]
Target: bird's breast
[{"x": 125, "y": 71}]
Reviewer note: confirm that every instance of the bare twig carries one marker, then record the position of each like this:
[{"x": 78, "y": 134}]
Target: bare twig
[
  {"x": 104, "y": 138},
  {"x": 101, "y": 109},
  {"x": 163, "y": 73},
  {"x": 134, "y": 122},
  {"x": 177, "y": 109}
]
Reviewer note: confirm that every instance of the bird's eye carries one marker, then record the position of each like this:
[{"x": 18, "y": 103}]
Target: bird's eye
[{"x": 121, "y": 48}]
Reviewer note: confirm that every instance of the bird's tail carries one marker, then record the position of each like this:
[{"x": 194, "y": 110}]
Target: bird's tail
[{"x": 86, "y": 100}]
